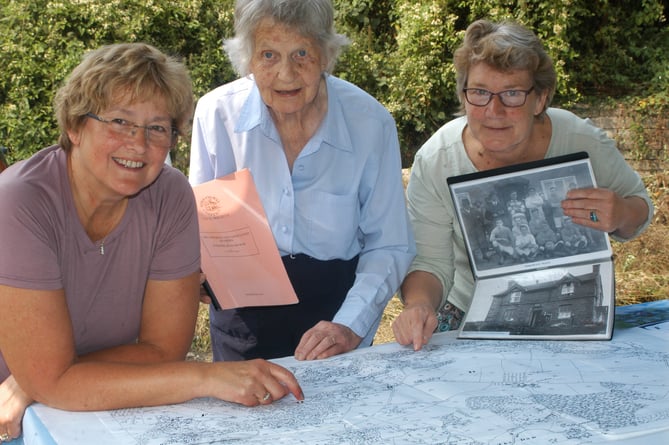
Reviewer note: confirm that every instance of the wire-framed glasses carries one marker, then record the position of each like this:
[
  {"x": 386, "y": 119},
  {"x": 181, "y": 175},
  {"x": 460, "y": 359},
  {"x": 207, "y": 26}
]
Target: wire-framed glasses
[
  {"x": 509, "y": 98},
  {"x": 157, "y": 136}
]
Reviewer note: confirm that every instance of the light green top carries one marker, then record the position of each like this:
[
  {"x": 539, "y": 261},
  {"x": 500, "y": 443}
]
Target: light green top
[{"x": 440, "y": 245}]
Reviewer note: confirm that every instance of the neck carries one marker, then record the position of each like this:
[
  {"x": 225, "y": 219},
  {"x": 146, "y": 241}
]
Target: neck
[
  {"x": 97, "y": 216},
  {"x": 295, "y": 129},
  {"x": 532, "y": 149}
]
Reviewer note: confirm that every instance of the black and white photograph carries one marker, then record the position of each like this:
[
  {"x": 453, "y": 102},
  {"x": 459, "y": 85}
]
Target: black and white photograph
[
  {"x": 514, "y": 221},
  {"x": 559, "y": 303},
  {"x": 538, "y": 274}
]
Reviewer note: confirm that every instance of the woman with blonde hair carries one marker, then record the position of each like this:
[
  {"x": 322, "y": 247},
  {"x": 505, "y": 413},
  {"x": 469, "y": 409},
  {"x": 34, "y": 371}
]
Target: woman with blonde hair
[{"x": 99, "y": 265}]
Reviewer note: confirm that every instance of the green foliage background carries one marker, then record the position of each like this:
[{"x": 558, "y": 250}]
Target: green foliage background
[{"x": 401, "y": 52}]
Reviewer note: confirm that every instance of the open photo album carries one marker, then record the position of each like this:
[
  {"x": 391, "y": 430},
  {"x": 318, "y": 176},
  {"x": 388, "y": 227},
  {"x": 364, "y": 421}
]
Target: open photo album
[{"x": 538, "y": 275}]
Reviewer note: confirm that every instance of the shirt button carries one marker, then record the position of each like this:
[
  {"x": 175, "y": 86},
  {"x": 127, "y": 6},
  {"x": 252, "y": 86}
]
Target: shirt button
[{"x": 284, "y": 229}]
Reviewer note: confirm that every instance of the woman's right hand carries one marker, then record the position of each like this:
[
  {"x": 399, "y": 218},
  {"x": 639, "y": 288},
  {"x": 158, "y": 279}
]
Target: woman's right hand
[
  {"x": 254, "y": 382},
  {"x": 13, "y": 403},
  {"x": 422, "y": 294},
  {"x": 415, "y": 325}
]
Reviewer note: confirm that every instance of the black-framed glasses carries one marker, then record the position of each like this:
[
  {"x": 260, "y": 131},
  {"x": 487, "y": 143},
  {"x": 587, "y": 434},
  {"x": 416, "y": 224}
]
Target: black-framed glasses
[
  {"x": 509, "y": 98},
  {"x": 157, "y": 136}
]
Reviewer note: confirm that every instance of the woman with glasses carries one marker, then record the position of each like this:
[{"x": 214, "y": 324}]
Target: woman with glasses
[
  {"x": 505, "y": 82},
  {"x": 99, "y": 264}
]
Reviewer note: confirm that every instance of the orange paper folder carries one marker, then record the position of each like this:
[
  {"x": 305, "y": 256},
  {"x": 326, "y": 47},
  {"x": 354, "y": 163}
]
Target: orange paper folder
[{"x": 239, "y": 254}]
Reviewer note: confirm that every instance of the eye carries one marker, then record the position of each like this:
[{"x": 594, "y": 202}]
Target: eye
[
  {"x": 267, "y": 55},
  {"x": 157, "y": 129},
  {"x": 480, "y": 92},
  {"x": 301, "y": 53},
  {"x": 512, "y": 93},
  {"x": 120, "y": 122}
]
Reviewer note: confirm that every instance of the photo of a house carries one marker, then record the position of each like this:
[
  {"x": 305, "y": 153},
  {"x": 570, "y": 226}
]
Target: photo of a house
[{"x": 573, "y": 305}]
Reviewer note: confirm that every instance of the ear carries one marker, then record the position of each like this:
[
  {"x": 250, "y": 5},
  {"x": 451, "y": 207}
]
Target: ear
[
  {"x": 540, "y": 103},
  {"x": 74, "y": 135}
]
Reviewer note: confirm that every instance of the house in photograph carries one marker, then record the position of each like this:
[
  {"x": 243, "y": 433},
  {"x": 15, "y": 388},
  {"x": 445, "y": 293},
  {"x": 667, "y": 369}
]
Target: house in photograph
[{"x": 568, "y": 305}]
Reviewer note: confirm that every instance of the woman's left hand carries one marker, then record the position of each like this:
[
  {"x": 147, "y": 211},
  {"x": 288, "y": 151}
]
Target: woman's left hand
[
  {"x": 13, "y": 403},
  {"x": 605, "y": 210},
  {"x": 325, "y": 340}
]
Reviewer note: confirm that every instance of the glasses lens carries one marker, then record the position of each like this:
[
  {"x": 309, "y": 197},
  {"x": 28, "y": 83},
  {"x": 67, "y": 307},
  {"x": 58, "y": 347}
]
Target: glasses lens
[
  {"x": 509, "y": 98},
  {"x": 478, "y": 97},
  {"x": 159, "y": 137},
  {"x": 513, "y": 98},
  {"x": 156, "y": 135}
]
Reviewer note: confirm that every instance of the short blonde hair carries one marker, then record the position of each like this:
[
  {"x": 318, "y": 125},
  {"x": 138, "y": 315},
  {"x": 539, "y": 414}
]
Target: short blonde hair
[{"x": 137, "y": 71}]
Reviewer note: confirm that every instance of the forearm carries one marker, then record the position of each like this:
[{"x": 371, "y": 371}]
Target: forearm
[
  {"x": 93, "y": 386},
  {"x": 634, "y": 216},
  {"x": 378, "y": 277},
  {"x": 422, "y": 288},
  {"x": 137, "y": 353}
]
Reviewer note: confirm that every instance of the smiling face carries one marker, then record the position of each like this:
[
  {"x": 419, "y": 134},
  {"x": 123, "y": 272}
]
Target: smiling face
[
  {"x": 503, "y": 132},
  {"x": 112, "y": 166},
  {"x": 287, "y": 68}
]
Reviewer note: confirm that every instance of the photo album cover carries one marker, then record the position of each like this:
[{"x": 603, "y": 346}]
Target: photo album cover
[{"x": 538, "y": 274}]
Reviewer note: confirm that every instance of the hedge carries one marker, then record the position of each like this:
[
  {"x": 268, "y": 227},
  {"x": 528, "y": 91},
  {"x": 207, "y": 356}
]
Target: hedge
[{"x": 401, "y": 52}]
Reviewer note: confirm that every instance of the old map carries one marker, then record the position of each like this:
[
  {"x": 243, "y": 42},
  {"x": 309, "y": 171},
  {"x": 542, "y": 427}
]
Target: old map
[{"x": 453, "y": 392}]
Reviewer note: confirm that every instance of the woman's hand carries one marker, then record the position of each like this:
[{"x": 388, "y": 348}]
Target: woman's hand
[
  {"x": 253, "y": 382},
  {"x": 605, "y": 210},
  {"x": 13, "y": 403},
  {"x": 325, "y": 340},
  {"x": 415, "y": 325},
  {"x": 422, "y": 293}
]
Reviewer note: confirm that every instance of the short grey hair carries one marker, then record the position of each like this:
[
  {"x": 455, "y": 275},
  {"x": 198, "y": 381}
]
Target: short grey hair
[
  {"x": 505, "y": 46},
  {"x": 313, "y": 19}
]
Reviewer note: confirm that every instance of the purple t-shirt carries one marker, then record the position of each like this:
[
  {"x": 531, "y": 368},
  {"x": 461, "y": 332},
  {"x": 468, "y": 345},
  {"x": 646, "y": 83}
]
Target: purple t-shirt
[{"x": 44, "y": 246}]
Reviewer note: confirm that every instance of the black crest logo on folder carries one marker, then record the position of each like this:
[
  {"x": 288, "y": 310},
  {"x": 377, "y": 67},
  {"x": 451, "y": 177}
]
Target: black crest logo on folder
[{"x": 538, "y": 275}]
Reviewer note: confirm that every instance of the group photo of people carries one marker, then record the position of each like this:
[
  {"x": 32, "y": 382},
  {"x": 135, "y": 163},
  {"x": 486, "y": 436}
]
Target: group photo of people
[{"x": 521, "y": 220}]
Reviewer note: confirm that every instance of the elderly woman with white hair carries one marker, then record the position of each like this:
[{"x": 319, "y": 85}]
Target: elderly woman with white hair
[{"x": 325, "y": 159}]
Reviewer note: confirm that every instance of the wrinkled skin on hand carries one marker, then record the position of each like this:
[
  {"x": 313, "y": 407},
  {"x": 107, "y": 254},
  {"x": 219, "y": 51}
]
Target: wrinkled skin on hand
[{"x": 325, "y": 340}]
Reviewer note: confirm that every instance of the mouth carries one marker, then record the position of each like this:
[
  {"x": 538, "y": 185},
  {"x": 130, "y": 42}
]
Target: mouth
[
  {"x": 496, "y": 128},
  {"x": 288, "y": 93},
  {"x": 134, "y": 165}
]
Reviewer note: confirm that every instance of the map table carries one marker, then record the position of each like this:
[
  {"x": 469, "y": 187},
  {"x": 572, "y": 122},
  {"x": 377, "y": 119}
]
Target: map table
[{"x": 494, "y": 392}]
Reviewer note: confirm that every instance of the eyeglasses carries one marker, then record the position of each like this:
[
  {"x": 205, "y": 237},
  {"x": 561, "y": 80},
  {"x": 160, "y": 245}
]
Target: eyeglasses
[
  {"x": 157, "y": 136},
  {"x": 509, "y": 98}
]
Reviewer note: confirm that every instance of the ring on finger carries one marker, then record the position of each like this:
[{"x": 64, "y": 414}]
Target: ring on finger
[
  {"x": 593, "y": 216},
  {"x": 4, "y": 437},
  {"x": 267, "y": 396}
]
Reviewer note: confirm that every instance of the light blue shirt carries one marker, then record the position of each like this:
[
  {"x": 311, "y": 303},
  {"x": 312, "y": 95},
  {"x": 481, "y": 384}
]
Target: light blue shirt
[{"x": 344, "y": 197}]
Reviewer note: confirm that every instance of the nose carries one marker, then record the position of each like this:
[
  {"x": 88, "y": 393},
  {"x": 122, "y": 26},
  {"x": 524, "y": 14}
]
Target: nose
[
  {"x": 142, "y": 142},
  {"x": 286, "y": 69},
  {"x": 495, "y": 106}
]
